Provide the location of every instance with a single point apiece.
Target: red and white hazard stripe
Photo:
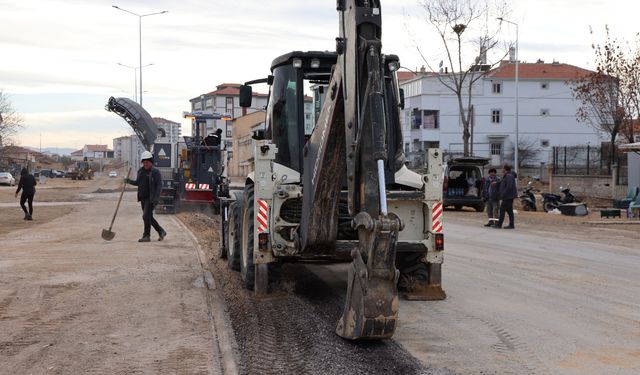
(436, 218)
(262, 216)
(190, 186)
(204, 186)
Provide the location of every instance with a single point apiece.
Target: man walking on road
(507, 192)
(149, 183)
(490, 196)
(28, 186)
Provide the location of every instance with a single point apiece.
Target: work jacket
(150, 188)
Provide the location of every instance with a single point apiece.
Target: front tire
(235, 235)
(247, 267)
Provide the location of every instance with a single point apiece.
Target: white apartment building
(128, 149)
(173, 130)
(225, 99)
(546, 114)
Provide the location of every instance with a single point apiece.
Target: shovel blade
(108, 235)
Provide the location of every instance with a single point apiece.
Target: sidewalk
(72, 303)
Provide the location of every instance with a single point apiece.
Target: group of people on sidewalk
(498, 194)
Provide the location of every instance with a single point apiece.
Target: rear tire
(548, 206)
(413, 269)
(235, 235)
(247, 267)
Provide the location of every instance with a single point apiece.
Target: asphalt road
(522, 303)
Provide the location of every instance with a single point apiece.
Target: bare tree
(609, 95)
(527, 151)
(463, 26)
(10, 120)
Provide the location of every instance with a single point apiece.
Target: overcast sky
(58, 58)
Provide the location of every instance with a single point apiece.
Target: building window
(197, 106)
(496, 116)
(209, 103)
(229, 131)
(544, 85)
(544, 142)
(229, 104)
(544, 112)
(497, 88)
(424, 119)
(496, 148)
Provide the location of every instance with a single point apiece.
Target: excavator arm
(350, 144)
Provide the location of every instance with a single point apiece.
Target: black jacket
(27, 183)
(508, 188)
(154, 184)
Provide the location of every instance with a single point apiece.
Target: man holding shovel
(149, 183)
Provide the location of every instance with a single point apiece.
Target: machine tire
(458, 207)
(247, 267)
(412, 269)
(235, 235)
(479, 208)
(525, 207)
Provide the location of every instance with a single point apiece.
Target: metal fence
(588, 161)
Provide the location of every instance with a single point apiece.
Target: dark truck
(463, 181)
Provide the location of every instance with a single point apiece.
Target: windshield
(282, 116)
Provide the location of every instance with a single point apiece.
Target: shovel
(107, 234)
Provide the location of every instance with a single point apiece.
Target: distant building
(128, 150)
(77, 155)
(240, 160)
(173, 130)
(546, 115)
(93, 152)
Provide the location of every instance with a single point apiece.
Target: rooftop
(539, 70)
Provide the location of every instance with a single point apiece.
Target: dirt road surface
(72, 303)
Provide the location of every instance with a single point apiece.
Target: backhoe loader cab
(330, 184)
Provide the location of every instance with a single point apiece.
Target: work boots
(145, 239)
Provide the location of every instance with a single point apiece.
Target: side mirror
(246, 95)
(401, 98)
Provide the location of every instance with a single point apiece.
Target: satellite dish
(440, 65)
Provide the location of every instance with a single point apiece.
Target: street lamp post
(135, 77)
(517, 104)
(140, 39)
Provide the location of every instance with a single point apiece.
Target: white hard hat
(146, 155)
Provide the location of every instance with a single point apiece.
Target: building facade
(546, 114)
(225, 99)
(128, 149)
(240, 160)
(173, 130)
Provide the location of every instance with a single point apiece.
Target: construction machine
(192, 169)
(340, 192)
(80, 170)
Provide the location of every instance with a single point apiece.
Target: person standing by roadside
(507, 192)
(490, 196)
(28, 186)
(149, 183)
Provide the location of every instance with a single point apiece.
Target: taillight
(263, 241)
(439, 240)
(445, 184)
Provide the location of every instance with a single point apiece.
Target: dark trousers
(506, 206)
(147, 217)
(24, 198)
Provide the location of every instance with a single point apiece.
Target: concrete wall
(591, 186)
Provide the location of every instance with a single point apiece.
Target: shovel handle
(124, 185)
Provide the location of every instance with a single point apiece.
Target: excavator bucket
(371, 306)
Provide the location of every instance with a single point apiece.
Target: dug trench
(292, 331)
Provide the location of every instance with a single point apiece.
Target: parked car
(58, 173)
(7, 179)
(463, 181)
(113, 174)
